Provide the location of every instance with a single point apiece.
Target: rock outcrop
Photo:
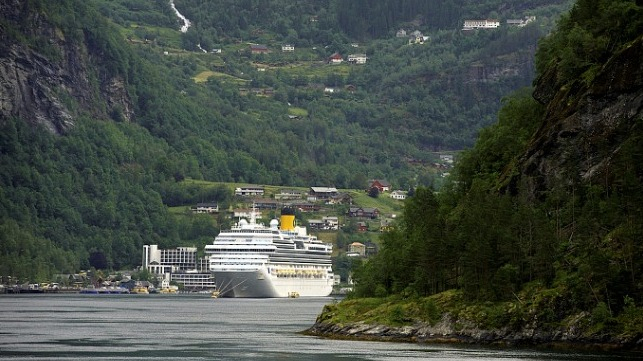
(585, 123)
(54, 81)
(452, 330)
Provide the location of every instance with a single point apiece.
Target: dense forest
(89, 182)
(495, 231)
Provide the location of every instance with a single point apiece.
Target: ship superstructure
(279, 260)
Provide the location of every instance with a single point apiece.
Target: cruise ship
(279, 260)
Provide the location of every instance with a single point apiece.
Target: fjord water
(197, 327)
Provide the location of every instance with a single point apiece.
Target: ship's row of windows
(237, 250)
(274, 256)
(245, 264)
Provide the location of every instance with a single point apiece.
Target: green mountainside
(538, 237)
(107, 107)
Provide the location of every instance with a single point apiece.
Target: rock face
(27, 90)
(585, 123)
(451, 330)
(50, 84)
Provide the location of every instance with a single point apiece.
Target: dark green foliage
(84, 199)
(568, 249)
(588, 35)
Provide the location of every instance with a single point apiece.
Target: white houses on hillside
(480, 24)
(357, 58)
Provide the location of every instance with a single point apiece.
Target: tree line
(576, 242)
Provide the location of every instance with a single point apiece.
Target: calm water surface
(196, 327)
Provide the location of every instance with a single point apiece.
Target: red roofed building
(335, 59)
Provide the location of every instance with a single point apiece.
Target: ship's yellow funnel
(287, 222)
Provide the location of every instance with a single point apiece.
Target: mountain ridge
(125, 121)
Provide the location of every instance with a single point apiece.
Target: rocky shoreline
(449, 330)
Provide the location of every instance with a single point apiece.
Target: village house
(357, 58)
(446, 158)
(386, 225)
(399, 195)
(332, 222)
(326, 223)
(363, 212)
(356, 249)
(339, 198)
(381, 185)
(400, 33)
(416, 37)
(206, 208)
(305, 207)
(286, 194)
(480, 24)
(371, 248)
(362, 227)
(521, 22)
(249, 191)
(317, 193)
(259, 49)
(266, 204)
(315, 224)
(336, 58)
(287, 48)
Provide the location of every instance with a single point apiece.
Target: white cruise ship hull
(259, 284)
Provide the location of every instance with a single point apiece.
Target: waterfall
(186, 22)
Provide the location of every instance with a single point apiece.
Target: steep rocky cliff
(49, 77)
(585, 124)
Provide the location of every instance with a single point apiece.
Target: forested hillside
(107, 107)
(542, 219)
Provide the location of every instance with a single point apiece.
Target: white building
(249, 191)
(288, 194)
(521, 22)
(179, 258)
(356, 249)
(399, 195)
(178, 264)
(326, 223)
(206, 208)
(287, 48)
(357, 58)
(332, 222)
(446, 158)
(480, 24)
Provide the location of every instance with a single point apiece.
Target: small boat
(140, 290)
(215, 294)
(89, 291)
(168, 290)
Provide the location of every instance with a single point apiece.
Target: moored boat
(140, 290)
